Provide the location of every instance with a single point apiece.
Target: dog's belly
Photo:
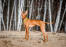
(31, 25)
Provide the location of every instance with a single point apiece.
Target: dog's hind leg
(42, 27)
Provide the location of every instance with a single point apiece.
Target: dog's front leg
(27, 32)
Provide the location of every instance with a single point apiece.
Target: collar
(25, 19)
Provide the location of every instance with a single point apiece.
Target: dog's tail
(48, 22)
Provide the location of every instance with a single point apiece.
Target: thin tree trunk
(65, 27)
(0, 22)
(11, 18)
(58, 17)
(21, 6)
(31, 7)
(62, 18)
(8, 14)
(3, 23)
(50, 16)
(15, 1)
(1, 16)
(19, 19)
(45, 10)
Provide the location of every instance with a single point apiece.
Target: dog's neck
(25, 19)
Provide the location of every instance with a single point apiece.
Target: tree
(58, 17)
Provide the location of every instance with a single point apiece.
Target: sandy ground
(16, 39)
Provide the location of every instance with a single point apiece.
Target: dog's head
(24, 14)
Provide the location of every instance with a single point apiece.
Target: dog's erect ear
(26, 12)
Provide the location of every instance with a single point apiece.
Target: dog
(30, 23)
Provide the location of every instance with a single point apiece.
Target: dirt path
(35, 40)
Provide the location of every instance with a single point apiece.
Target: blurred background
(45, 10)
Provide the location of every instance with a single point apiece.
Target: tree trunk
(1, 17)
(20, 9)
(45, 10)
(62, 18)
(58, 18)
(15, 1)
(50, 16)
(8, 14)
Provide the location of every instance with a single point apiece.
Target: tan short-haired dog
(30, 23)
